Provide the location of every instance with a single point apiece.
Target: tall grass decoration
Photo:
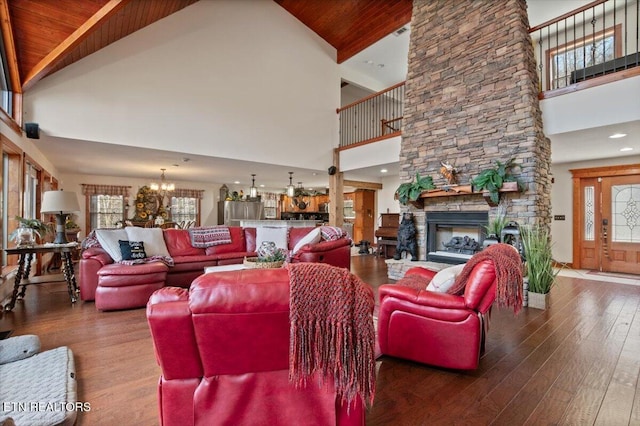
(538, 257)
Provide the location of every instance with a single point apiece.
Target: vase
(538, 300)
(267, 249)
(491, 239)
(24, 237)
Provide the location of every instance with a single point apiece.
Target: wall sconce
(291, 190)
(253, 191)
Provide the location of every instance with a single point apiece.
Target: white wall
(28, 147)
(562, 203)
(240, 79)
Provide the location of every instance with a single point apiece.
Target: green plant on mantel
(536, 242)
(410, 191)
(491, 180)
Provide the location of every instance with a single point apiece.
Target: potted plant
(410, 191)
(540, 273)
(495, 225)
(491, 180)
(27, 230)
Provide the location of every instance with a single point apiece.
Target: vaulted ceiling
(48, 35)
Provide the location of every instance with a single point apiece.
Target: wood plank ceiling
(49, 35)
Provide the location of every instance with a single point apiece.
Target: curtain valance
(90, 189)
(188, 193)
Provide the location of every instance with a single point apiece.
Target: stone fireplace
(453, 236)
(471, 99)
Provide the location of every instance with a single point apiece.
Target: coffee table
(222, 268)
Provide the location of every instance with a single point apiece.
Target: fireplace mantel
(455, 190)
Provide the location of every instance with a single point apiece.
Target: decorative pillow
(443, 280)
(277, 234)
(332, 233)
(153, 239)
(132, 250)
(108, 239)
(311, 238)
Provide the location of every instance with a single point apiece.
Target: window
(106, 211)
(596, 49)
(185, 205)
(184, 209)
(105, 205)
(6, 95)
(30, 195)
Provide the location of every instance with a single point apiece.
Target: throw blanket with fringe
(508, 267)
(207, 236)
(332, 329)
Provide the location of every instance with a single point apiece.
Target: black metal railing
(599, 38)
(376, 117)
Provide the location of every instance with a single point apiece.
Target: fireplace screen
(453, 237)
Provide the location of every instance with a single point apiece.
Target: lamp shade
(59, 202)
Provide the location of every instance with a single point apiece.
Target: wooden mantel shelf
(454, 190)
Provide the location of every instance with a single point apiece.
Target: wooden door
(607, 219)
(620, 224)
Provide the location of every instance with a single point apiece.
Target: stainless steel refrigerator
(230, 213)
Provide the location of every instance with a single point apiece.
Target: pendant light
(291, 190)
(253, 191)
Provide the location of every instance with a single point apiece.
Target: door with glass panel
(620, 224)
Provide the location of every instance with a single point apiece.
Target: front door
(609, 223)
(621, 224)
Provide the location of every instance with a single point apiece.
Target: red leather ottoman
(128, 286)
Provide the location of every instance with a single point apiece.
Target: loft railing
(376, 117)
(599, 39)
(592, 45)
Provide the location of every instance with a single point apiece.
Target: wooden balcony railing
(376, 117)
(595, 44)
(576, 50)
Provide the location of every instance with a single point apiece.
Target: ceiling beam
(362, 185)
(56, 55)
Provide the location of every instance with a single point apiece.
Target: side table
(22, 280)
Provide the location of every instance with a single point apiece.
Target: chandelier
(164, 186)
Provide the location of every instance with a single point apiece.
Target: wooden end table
(22, 280)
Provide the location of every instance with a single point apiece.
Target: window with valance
(105, 205)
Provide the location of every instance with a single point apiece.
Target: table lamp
(60, 203)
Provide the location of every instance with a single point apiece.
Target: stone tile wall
(472, 98)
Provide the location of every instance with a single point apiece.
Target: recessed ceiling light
(617, 135)
(237, 182)
(384, 171)
(262, 185)
(626, 148)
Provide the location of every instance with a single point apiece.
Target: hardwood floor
(576, 363)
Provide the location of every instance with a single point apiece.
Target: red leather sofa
(223, 347)
(119, 286)
(433, 328)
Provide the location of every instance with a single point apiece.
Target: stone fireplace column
(471, 99)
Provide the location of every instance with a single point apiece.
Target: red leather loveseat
(115, 285)
(223, 347)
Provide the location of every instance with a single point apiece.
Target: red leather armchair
(223, 348)
(438, 329)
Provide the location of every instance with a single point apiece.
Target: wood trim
(56, 55)
(9, 121)
(362, 185)
(605, 171)
(567, 15)
(577, 205)
(373, 95)
(368, 141)
(592, 82)
(10, 47)
(8, 146)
